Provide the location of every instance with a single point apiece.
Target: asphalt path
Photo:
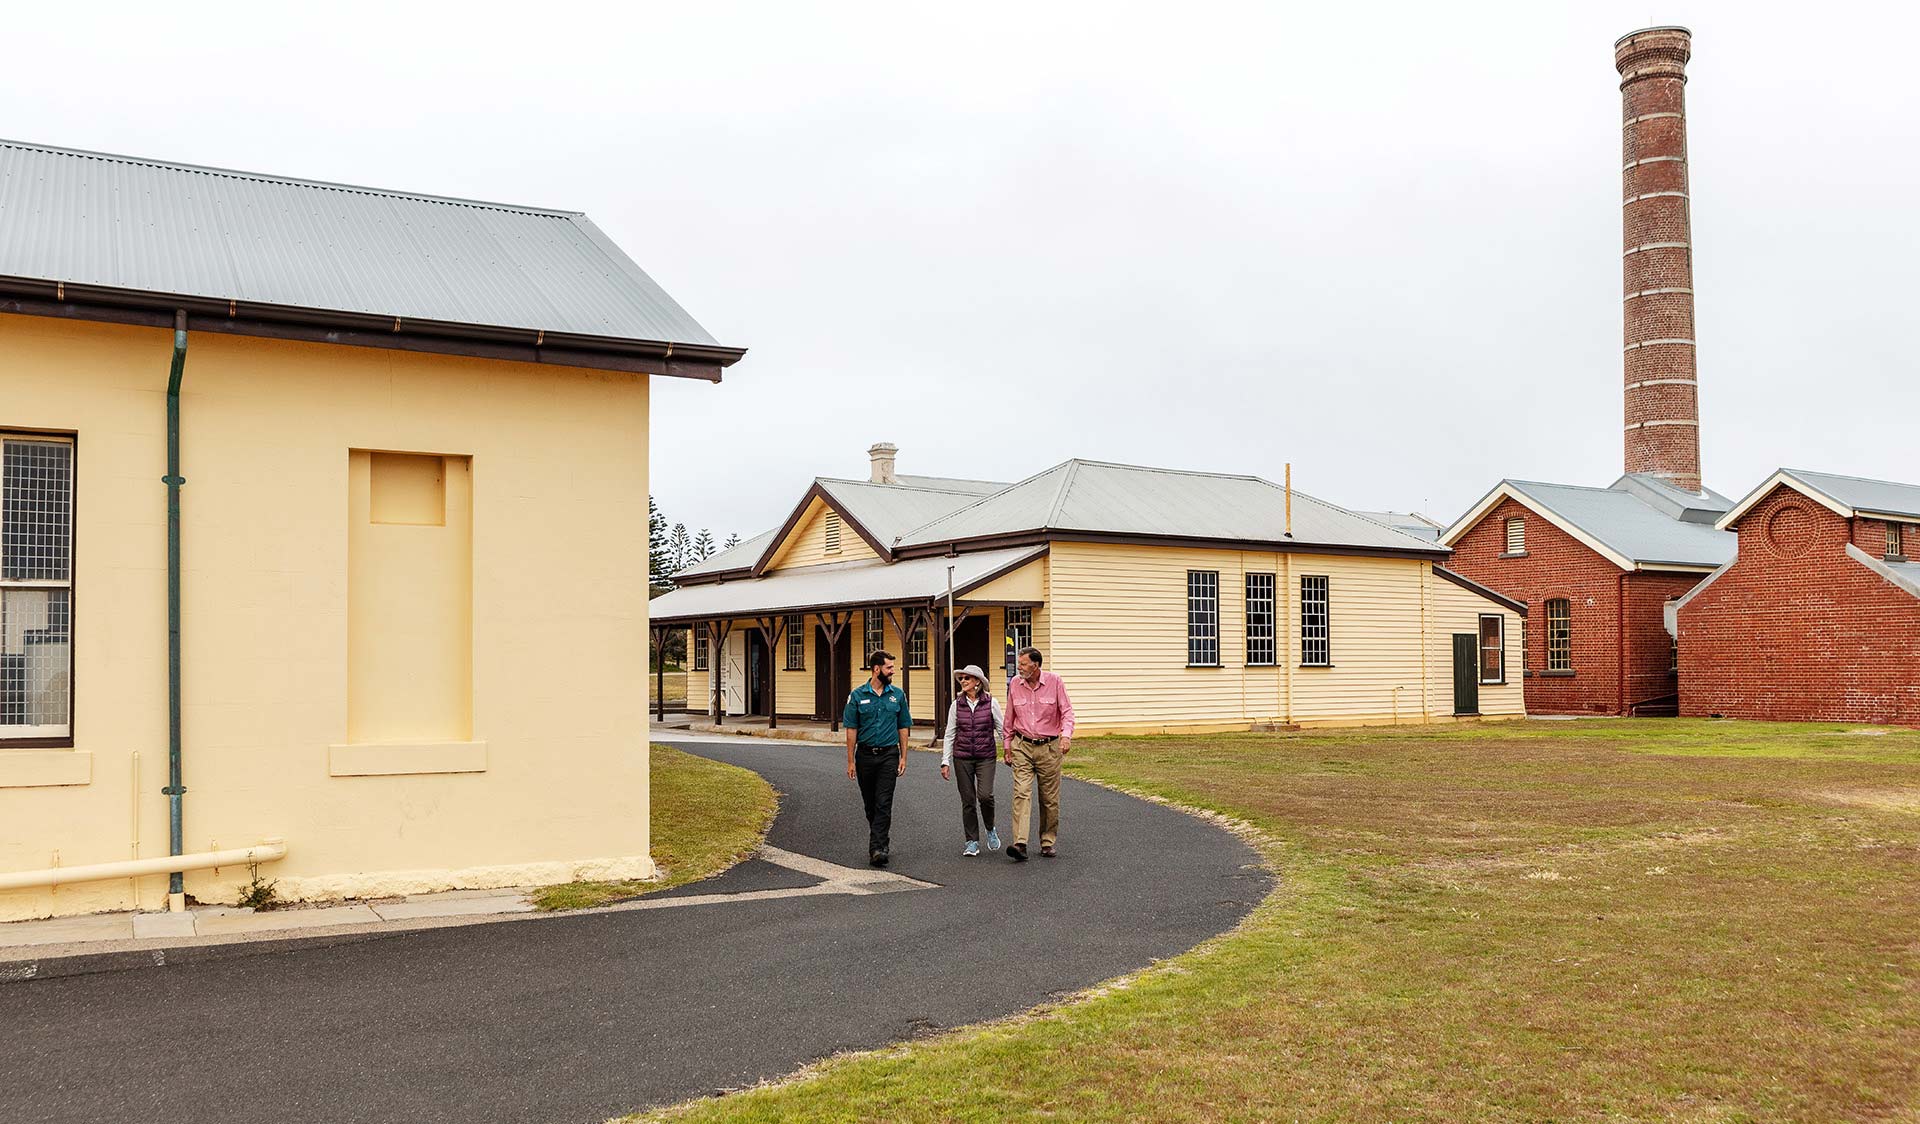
(578, 1018)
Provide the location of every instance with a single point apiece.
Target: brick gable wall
(1558, 565)
(1797, 631)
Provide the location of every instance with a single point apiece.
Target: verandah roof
(840, 585)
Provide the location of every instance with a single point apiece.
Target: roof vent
(882, 457)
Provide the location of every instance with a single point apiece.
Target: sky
(1379, 242)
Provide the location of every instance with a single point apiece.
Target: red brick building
(1818, 616)
(1596, 567)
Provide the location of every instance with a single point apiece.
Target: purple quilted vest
(973, 729)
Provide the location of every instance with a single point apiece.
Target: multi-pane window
(1019, 632)
(1316, 631)
(1559, 635)
(917, 643)
(1260, 621)
(700, 642)
(1896, 540)
(1493, 649)
(1523, 648)
(876, 632)
(796, 643)
(831, 524)
(36, 587)
(1203, 618)
(1516, 536)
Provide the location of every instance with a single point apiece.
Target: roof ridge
(911, 487)
(1166, 471)
(1060, 496)
(294, 181)
(956, 512)
(1847, 476)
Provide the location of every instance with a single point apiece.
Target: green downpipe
(174, 790)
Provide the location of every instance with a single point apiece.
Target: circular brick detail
(1790, 530)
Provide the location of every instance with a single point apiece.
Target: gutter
(38, 297)
(175, 791)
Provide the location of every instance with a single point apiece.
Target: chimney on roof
(1662, 388)
(882, 457)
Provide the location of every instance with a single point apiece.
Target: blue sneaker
(972, 851)
(993, 840)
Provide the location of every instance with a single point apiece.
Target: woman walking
(973, 735)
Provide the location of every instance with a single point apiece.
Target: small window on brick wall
(1517, 536)
(1559, 635)
(1896, 540)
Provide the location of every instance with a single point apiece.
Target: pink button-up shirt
(1040, 711)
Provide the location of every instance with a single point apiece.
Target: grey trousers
(975, 777)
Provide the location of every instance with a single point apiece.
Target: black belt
(1050, 739)
(879, 748)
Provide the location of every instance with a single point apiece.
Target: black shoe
(1047, 852)
(1017, 852)
(878, 858)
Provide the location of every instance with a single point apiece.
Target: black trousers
(975, 777)
(877, 771)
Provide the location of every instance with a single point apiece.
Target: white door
(733, 673)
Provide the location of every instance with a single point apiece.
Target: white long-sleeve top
(953, 715)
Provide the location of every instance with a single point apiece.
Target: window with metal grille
(1260, 621)
(917, 644)
(1203, 618)
(796, 643)
(1559, 635)
(700, 642)
(1019, 633)
(832, 526)
(1674, 650)
(876, 632)
(1523, 647)
(1516, 536)
(36, 587)
(1493, 649)
(1316, 621)
(1896, 540)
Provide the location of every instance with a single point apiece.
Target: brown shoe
(1047, 853)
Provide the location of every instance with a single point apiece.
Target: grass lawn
(1601, 920)
(706, 817)
(674, 680)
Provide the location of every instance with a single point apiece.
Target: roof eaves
(1787, 477)
(1886, 572)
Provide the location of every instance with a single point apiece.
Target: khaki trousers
(1030, 761)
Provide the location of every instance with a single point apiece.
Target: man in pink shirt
(1039, 734)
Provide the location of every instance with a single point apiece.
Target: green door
(1466, 673)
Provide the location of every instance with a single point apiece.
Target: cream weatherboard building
(411, 481)
(1169, 601)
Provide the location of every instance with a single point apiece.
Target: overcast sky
(1379, 241)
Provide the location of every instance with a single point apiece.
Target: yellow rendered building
(1168, 601)
(411, 479)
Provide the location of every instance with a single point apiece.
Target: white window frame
(919, 646)
(1563, 641)
(56, 735)
(1203, 618)
(796, 642)
(1018, 633)
(873, 631)
(1316, 627)
(1499, 649)
(1263, 620)
(1896, 539)
(702, 637)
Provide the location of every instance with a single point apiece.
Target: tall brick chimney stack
(1662, 389)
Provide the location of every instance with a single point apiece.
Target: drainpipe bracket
(174, 790)
(177, 480)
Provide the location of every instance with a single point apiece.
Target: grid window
(832, 525)
(36, 587)
(699, 647)
(1559, 635)
(1674, 667)
(1523, 648)
(1316, 623)
(796, 643)
(1019, 633)
(1896, 540)
(1516, 536)
(876, 632)
(917, 644)
(1493, 649)
(1203, 618)
(1260, 621)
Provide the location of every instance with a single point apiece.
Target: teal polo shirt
(876, 718)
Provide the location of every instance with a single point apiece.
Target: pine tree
(659, 554)
(680, 547)
(703, 545)
(733, 540)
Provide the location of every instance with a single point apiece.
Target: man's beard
(885, 678)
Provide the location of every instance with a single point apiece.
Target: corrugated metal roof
(1704, 506)
(1097, 496)
(841, 584)
(740, 556)
(891, 510)
(148, 226)
(1862, 494)
(1630, 526)
(1407, 523)
(950, 484)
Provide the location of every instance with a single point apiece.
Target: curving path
(583, 1017)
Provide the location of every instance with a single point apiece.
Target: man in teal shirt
(877, 725)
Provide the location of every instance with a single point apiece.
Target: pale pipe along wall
(413, 703)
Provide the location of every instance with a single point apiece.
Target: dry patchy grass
(1609, 920)
(707, 816)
